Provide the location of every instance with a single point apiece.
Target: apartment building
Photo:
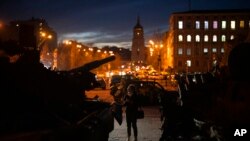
(199, 38)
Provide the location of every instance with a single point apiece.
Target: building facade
(138, 53)
(198, 38)
(34, 33)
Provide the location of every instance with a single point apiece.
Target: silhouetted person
(232, 107)
(131, 103)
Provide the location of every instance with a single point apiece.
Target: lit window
(222, 50)
(223, 38)
(197, 38)
(223, 24)
(188, 51)
(205, 50)
(215, 24)
(189, 38)
(189, 63)
(197, 24)
(206, 38)
(214, 38)
(242, 24)
(214, 50)
(180, 51)
(180, 38)
(232, 24)
(180, 24)
(231, 37)
(206, 24)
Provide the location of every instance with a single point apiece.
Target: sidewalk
(148, 128)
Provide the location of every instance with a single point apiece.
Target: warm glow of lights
(79, 46)
(49, 36)
(99, 50)
(110, 52)
(168, 57)
(151, 42)
(90, 49)
(67, 42)
(43, 34)
(105, 52)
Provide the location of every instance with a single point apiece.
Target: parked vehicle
(101, 83)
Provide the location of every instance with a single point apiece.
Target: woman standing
(131, 103)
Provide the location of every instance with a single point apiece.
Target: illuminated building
(199, 38)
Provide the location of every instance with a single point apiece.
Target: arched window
(189, 38)
(223, 38)
(205, 38)
(180, 38)
(197, 38)
(214, 38)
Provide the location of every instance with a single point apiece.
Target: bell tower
(138, 47)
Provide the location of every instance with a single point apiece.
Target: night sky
(106, 22)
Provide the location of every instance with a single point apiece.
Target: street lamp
(43, 38)
(158, 47)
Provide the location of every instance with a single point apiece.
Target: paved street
(148, 128)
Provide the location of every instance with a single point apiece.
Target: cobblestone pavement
(148, 128)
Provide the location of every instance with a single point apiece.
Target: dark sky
(106, 22)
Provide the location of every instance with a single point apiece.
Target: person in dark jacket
(131, 103)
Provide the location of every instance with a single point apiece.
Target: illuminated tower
(138, 47)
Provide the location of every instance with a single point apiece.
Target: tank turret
(40, 104)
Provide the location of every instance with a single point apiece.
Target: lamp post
(158, 47)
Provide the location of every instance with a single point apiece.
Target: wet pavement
(148, 128)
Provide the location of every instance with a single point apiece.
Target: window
(180, 51)
(206, 25)
(180, 24)
(214, 38)
(205, 38)
(197, 24)
(222, 50)
(188, 51)
(197, 38)
(242, 24)
(231, 37)
(189, 63)
(189, 38)
(223, 38)
(232, 24)
(180, 38)
(214, 50)
(205, 50)
(215, 24)
(223, 24)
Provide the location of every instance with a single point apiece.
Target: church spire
(138, 20)
(138, 25)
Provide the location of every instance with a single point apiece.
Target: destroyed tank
(43, 105)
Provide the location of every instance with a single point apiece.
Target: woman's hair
(132, 88)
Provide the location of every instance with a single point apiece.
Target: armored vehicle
(42, 105)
